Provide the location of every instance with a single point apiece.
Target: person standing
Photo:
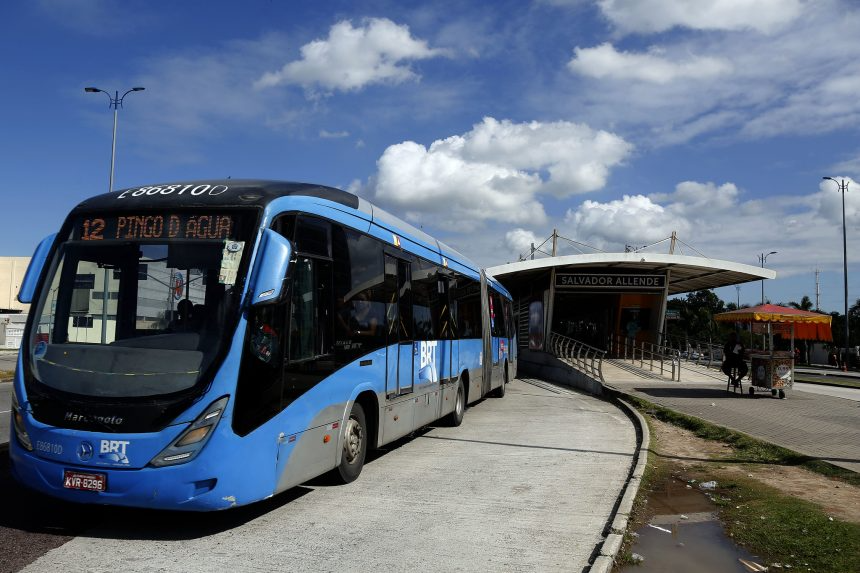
(733, 359)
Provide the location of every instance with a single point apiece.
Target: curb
(608, 550)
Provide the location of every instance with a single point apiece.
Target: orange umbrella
(807, 325)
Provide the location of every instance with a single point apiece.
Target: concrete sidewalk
(815, 425)
(527, 483)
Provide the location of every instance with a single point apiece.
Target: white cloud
(325, 134)
(520, 241)
(716, 221)
(378, 51)
(495, 172)
(828, 202)
(798, 80)
(652, 16)
(848, 165)
(692, 198)
(604, 61)
(632, 219)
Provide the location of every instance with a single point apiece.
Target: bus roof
(209, 193)
(255, 193)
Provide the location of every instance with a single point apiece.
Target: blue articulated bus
(208, 344)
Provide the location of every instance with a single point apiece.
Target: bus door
(447, 342)
(399, 412)
(448, 345)
(399, 378)
(487, 358)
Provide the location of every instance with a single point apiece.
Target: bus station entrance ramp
(528, 482)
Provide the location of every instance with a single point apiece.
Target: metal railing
(647, 354)
(701, 352)
(586, 358)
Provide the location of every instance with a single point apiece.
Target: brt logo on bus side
(427, 362)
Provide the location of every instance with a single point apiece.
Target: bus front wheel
(354, 445)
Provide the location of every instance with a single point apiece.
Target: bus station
(603, 298)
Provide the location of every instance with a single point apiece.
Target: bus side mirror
(34, 270)
(270, 269)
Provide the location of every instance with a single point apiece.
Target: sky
(487, 124)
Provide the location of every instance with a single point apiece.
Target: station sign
(601, 281)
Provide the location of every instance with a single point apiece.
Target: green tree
(696, 321)
(804, 304)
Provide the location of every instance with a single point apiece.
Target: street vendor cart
(773, 370)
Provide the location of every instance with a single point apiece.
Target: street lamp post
(762, 259)
(843, 187)
(115, 103)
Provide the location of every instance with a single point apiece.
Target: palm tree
(804, 304)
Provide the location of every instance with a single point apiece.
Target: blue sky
(486, 123)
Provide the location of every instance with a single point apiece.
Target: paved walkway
(813, 424)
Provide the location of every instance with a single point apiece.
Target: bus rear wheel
(455, 418)
(354, 445)
(500, 391)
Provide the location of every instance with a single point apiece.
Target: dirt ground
(683, 449)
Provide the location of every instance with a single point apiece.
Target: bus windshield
(139, 305)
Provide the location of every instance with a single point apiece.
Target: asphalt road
(8, 360)
(826, 390)
(527, 483)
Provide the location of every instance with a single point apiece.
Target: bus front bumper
(193, 486)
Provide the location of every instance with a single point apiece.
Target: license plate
(84, 481)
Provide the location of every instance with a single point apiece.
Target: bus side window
(360, 294)
(509, 319)
(424, 299)
(469, 307)
(498, 323)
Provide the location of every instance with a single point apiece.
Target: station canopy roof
(686, 273)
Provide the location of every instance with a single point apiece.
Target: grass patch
(745, 449)
(786, 529)
(768, 523)
(6, 375)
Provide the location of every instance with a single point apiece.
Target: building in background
(12, 271)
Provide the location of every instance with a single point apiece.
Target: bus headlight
(18, 423)
(190, 442)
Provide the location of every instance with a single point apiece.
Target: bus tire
(500, 391)
(354, 445)
(455, 418)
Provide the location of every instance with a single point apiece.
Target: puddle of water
(677, 498)
(690, 547)
(684, 535)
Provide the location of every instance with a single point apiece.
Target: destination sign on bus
(136, 227)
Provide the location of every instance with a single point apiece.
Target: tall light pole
(115, 103)
(762, 259)
(843, 187)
